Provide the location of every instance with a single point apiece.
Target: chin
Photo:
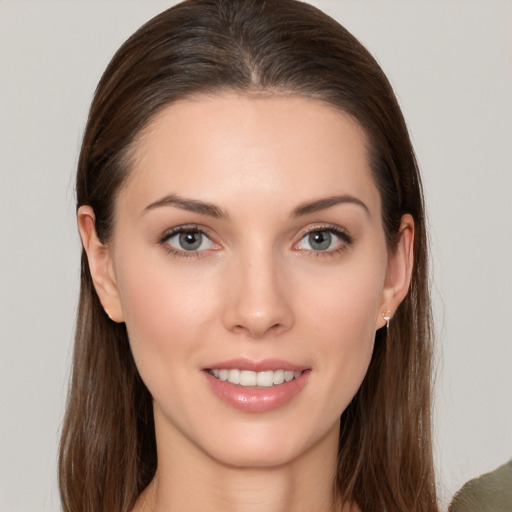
(273, 446)
(256, 457)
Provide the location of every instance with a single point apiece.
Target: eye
(324, 240)
(188, 240)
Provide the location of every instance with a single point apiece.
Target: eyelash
(346, 239)
(191, 228)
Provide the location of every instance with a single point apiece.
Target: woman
(254, 321)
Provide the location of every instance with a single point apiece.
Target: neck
(236, 490)
(187, 479)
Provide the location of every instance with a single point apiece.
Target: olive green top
(491, 492)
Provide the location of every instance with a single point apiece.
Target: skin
(257, 288)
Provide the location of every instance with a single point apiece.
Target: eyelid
(345, 237)
(183, 228)
(186, 228)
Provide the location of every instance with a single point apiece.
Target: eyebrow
(191, 205)
(205, 208)
(327, 202)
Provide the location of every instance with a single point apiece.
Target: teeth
(278, 376)
(248, 378)
(265, 379)
(234, 376)
(260, 379)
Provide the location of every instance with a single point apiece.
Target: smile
(248, 378)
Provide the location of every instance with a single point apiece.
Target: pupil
(320, 241)
(190, 241)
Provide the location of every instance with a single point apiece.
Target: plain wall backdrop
(450, 64)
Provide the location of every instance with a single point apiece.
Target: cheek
(341, 321)
(165, 305)
(344, 303)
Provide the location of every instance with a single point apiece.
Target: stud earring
(387, 316)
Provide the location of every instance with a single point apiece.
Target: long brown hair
(108, 452)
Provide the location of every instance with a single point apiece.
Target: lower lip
(253, 399)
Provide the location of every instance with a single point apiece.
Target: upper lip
(256, 366)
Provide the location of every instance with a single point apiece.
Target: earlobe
(399, 272)
(100, 264)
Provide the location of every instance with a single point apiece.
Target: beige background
(450, 63)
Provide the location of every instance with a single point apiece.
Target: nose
(257, 298)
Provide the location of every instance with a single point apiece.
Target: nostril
(258, 330)
(257, 306)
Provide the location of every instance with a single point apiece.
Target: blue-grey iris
(320, 240)
(191, 240)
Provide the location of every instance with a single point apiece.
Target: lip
(256, 366)
(254, 399)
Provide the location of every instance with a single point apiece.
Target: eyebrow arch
(191, 205)
(327, 202)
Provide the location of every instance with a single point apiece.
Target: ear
(100, 264)
(399, 271)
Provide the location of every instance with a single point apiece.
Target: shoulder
(491, 492)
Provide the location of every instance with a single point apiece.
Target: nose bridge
(258, 297)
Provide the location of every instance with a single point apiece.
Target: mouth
(256, 386)
(248, 378)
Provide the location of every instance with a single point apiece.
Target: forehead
(227, 147)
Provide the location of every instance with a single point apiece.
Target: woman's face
(248, 246)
